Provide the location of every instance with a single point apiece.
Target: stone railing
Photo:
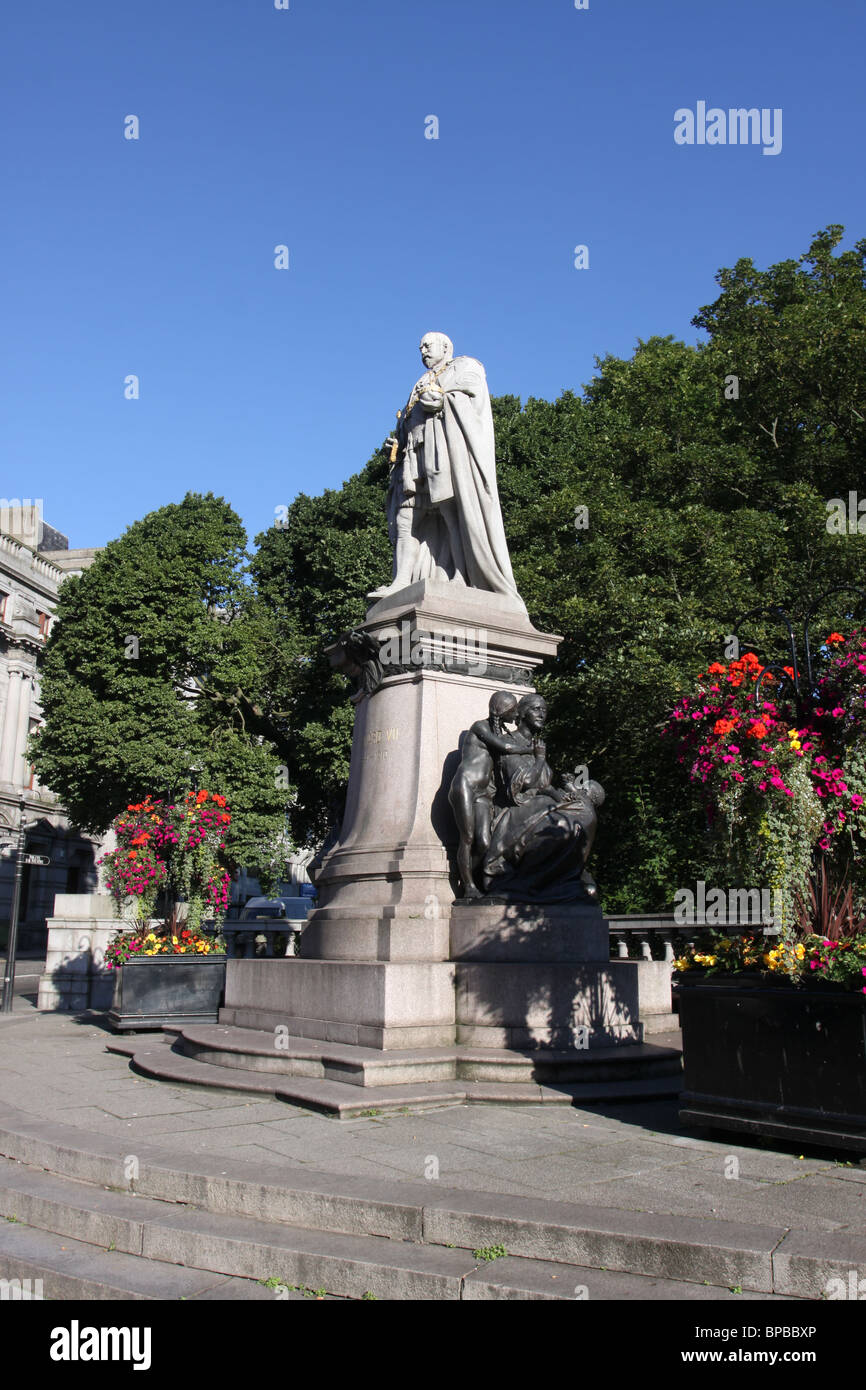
(31, 558)
(650, 936)
(654, 941)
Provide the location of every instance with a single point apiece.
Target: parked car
(263, 909)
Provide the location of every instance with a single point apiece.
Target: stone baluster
(666, 936)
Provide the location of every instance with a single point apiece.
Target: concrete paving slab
(630, 1158)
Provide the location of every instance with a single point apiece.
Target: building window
(3, 601)
(44, 623)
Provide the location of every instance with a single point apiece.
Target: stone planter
(153, 991)
(780, 1060)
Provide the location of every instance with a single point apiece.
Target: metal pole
(12, 947)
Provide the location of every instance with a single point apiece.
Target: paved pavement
(632, 1156)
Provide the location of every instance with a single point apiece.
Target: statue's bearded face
(435, 349)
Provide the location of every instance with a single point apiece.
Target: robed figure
(520, 836)
(444, 517)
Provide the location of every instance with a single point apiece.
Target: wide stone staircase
(94, 1222)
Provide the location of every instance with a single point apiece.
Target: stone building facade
(34, 561)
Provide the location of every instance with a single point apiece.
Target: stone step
(342, 1100)
(249, 1049)
(89, 1242)
(632, 1061)
(73, 1269)
(513, 1278)
(336, 1098)
(349, 1265)
(305, 1071)
(163, 1063)
(575, 1093)
(259, 1197)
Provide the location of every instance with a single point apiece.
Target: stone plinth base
(525, 932)
(394, 933)
(544, 1005)
(375, 1004)
(75, 977)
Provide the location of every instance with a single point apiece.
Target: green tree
(705, 471)
(141, 674)
(701, 506)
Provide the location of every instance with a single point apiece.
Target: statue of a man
(443, 507)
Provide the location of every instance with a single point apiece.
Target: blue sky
(306, 127)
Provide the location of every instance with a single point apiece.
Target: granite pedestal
(400, 985)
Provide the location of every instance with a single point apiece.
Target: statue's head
(503, 704)
(436, 348)
(532, 712)
(596, 793)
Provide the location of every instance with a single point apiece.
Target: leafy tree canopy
(140, 674)
(705, 472)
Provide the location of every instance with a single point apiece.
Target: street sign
(36, 859)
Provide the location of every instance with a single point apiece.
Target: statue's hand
(432, 400)
(391, 443)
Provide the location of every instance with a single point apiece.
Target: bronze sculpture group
(520, 836)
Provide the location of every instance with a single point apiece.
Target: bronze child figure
(473, 787)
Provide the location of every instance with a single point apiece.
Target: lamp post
(12, 946)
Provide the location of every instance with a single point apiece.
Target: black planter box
(152, 991)
(780, 1060)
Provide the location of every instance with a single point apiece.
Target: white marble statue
(443, 507)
